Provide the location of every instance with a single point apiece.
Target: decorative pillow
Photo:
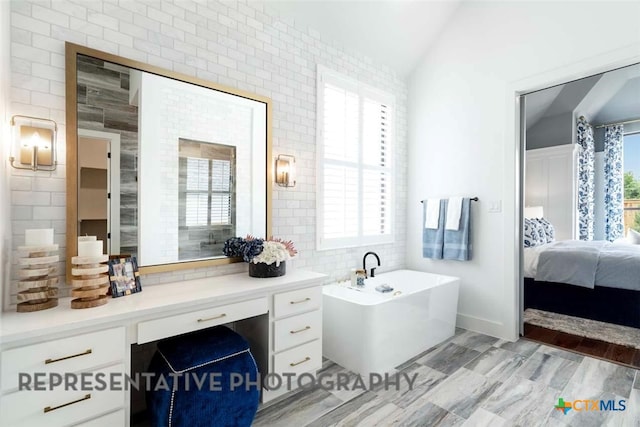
(533, 234)
(549, 230)
(633, 237)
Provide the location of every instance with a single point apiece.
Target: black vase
(263, 270)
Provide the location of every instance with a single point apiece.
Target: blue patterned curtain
(614, 182)
(586, 179)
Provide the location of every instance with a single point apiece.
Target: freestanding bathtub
(367, 331)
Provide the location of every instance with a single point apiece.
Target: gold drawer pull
(302, 300)
(306, 359)
(84, 353)
(300, 330)
(49, 408)
(206, 319)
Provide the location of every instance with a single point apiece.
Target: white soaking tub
(367, 331)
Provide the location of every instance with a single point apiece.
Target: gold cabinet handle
(300, 301)
(306, 359)
(49, 408)
(306, 328)
(84, 353)
(206, 319)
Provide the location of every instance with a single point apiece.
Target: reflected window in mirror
(206, 198)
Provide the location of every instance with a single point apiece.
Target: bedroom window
(631, 166)
(355, 164)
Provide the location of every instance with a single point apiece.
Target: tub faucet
(364, 262)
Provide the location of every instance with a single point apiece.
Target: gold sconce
(34, 143)
(285, 170)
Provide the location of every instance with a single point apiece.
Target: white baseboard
(483, 326)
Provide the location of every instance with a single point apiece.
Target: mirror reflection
(167, 170)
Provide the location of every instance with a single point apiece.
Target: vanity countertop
(153, 300)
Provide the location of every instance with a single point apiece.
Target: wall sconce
(285, 170)
(34, 143)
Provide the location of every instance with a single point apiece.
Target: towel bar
(473, 199)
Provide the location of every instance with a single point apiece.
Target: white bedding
(618, 264)
(531, 256)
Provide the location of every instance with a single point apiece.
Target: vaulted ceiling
(393, 32)
(604, 98)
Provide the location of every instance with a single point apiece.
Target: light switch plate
(495, 206)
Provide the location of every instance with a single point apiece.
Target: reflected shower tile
(605, 376)
(474, 341)
(522, 402)
(463, 392)
(484, 418)
(448, 358)
(550, 370)
(496, 363)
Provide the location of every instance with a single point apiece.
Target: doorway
(99, 187)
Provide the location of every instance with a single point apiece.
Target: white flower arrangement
(272, 252)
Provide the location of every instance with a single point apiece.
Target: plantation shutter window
(355, 173)
(206, 176)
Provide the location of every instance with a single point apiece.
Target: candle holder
(37, 288)
(90, 281)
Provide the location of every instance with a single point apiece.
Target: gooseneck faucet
(364, 262)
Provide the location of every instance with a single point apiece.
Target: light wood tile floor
(472, 380)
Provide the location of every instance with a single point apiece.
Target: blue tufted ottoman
(210, 380)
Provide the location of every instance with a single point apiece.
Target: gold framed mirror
(167, 183)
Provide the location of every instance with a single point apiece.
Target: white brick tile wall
(240, 44)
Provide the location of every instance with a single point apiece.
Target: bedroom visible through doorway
(581, 194)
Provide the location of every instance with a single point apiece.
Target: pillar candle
(86, 239)
(39, 237)
(91, 248)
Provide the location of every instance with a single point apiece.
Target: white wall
(5, 203)
(242, 45)
(462, 116)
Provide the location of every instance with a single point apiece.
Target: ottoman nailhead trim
(171, 408)
(202, 364)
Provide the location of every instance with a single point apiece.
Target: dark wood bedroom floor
(616, 353)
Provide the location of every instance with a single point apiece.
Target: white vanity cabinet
(22, 404)
(296, 344)
(280, 317)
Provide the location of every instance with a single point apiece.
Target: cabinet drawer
(110, 420)
(305, 358)
(73, 354)
(196, 320)
(296, 330)
(64, 407)
(293, 302)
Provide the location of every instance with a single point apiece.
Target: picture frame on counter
(124, 276)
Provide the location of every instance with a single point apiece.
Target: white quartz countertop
(154, 299)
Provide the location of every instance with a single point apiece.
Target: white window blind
(354, 163)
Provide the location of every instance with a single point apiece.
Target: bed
(595, 280)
